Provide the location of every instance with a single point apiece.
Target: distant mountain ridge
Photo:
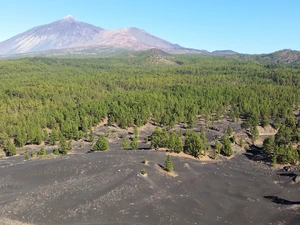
(282, 56)
(285, 56)
(69, 33)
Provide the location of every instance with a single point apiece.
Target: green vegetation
(91, 136)
(217, 149)
(124, 144)
(159, 138)
(175, 143)
(26, 157)
(135, 132)
(282, 147)
(229, 131)
(10, 149)
(101, 144)
(226, 147)
(143, 172)
(134, 144)
(169, 164)
(48, 99)
(56, 151)
(195, 145)
(42, 152)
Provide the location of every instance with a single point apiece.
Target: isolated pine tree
(169, 164)
(101, 144)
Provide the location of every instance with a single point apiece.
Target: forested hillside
(47, 98)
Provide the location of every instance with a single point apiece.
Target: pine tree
(194, 144)
(156, 138)
(26, 157)
(53, 137)
(226, 148)
(56, 152)
(134, 144)
(241, 142)
(178, 145)
(10, 149)
(101, 144)
(20, 140)
(64, 150)
(124, 144)
(217, 149)
(42, 152)
(229, 130)
(269, 145)
(69, 145)
(172, 141)
(135, 132)
(169, 164)
(254, 133)
(91, 136)
(45, 135)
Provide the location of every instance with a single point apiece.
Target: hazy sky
(246, 26)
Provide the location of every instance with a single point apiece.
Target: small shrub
(101, 144)
(63, 151)
(26, 156)
(56, 152)
(233, 139)
(143, 172)
(32, 154)
(145, 161)
(241, 142)
(146, 140)
(42, 152)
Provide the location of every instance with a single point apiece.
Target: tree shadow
(287, 174)
(281, 201)
(161, 166)
(144, 149)
(255, 153)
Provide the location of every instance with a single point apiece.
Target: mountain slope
(65, 33)
(285, 56)
(134, 38)
(70, 33)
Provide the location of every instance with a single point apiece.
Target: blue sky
(246, 26)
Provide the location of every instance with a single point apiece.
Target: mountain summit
(71, 33)
(65, 33)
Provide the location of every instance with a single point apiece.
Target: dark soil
(107, 188)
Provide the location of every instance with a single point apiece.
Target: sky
(245, 26)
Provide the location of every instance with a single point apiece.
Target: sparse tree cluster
(282, 148)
